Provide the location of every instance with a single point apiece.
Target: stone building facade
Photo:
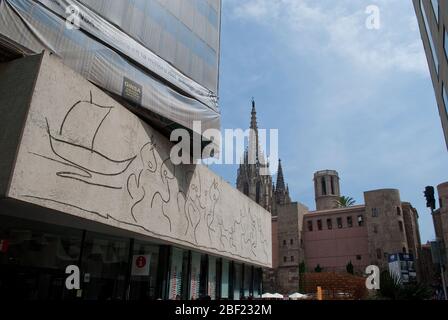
(287, 216)
(332, 236)
(440, 219)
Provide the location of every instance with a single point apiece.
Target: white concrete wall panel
(85, 155)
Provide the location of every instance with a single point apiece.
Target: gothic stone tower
(256, 186)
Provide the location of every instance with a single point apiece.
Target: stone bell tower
(326, 189)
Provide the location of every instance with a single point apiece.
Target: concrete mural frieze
(94, 159)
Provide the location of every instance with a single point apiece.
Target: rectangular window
(178, 286)
(398, 211)
(350, 222)
(360, 220)
(358, 257)
(292, 258)
(400, 226)
(445, 98)
(339, 221)
(237, 280)
(319, 225)
(329, 224)
(291, 241)
(445, 43)
(435, 7)
(375, 228)
(144, 280)
(310, 225)
(379, 254)
(225, 279)
(375, 212)
(211, 277)
(429, 35)
(284, 242)
(285, 259)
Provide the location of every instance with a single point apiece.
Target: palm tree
(344, 202)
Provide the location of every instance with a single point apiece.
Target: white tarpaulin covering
(143, 50)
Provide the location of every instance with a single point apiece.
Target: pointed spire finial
(280, 179)
(253, 121)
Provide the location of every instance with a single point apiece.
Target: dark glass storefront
(34, 257)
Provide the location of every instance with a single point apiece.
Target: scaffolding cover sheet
(124, 47)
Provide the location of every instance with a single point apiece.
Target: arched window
(332, 185)
(324, 186)
(257, 193)
(246, 189)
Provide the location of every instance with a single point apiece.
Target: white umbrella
(278, 296)
(267, 295)
(297, 296)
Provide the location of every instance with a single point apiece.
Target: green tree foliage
(344, 202)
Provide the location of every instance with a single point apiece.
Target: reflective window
(225, 279)
(195, 275)
(429, 35)
(248, 286)
(237, 279)
(435, 7)
(105, 265)
(178, 285)
(33, 258)
(445, 43)
(212, 279)
(258, 278)
(445, 98)
(144, 271)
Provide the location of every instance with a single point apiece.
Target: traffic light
(430, 200)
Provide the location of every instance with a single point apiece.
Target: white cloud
(338, 28)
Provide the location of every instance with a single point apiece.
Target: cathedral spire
(280, 179)
(253, 120)
(253, 137)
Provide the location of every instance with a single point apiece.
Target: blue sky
(343, 97)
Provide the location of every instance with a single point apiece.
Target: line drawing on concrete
(153, 188)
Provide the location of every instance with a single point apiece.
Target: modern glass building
(34, 257)
(432, 17)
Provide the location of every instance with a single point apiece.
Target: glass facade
(237, 278)
(435, 8)
(445, 43)
(32, 266)
(225, 277)
(445, 98)
(105, 267)
(429, 35)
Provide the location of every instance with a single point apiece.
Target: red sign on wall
(140, 265)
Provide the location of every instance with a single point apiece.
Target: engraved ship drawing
(75, 144)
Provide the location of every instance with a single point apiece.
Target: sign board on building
(140, 264)
(402, 266)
